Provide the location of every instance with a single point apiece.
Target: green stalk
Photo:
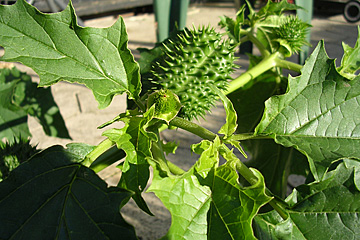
(249, 176)
(288, 65)
(264, 52)
(140, 104)
(109, 157)
(244, 171)
(159, 155)
(266, 64)
(274, 204)
(100, 149)
(247, 136)
(193, 128)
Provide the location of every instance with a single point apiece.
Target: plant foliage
(306, 125)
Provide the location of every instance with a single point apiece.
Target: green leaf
(209, 156)
(57, 49)
(276, 163)
(232, 207)
(232, 26)
(318, 114)
(169, 147)
(51, 197)
(272, 226)
(274, 8)
(148, 56)
(78, 151)
(231, 119)
(136, 143)
(207, 202)
(186, 199)
(13, 119)
(184, 196)
(330, 207)
(350, 62)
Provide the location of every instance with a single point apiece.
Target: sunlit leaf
(321, 210)
(319, 114)
(57, 49)
(350, 62)
(136, 143)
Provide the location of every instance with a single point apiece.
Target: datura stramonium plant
(292, 34)
(190, 62)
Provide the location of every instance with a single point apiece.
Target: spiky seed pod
(293, 31)
(12, 155)
(191, 61)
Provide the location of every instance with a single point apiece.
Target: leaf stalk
(271, 61)
(193, 128)
(265, 65)
(100, 149)
(158, 154)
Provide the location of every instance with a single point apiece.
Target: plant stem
(246, 136)
(266, 64)
(244, 171)
(288, 65)
(112, 155)
(158, 154)
(100, 149)
(274, 204)
(258, 44)
(140, 104)
(249, 176)
(193, 128)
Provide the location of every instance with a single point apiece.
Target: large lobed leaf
(53, 197)
(232, 207)
(319, 114)
(274, 161)
(57, 49)
(320, 210)
(207, 202)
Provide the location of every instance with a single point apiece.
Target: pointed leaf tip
(317, 115)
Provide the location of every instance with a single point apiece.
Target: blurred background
(92, 8)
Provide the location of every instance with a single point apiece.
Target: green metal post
(162, 18)
(305, 15)
(178, 14)
(168, 14)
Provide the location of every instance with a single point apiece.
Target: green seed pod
(291, 34)
(13, 154)
(191, 62)
(167, 104)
